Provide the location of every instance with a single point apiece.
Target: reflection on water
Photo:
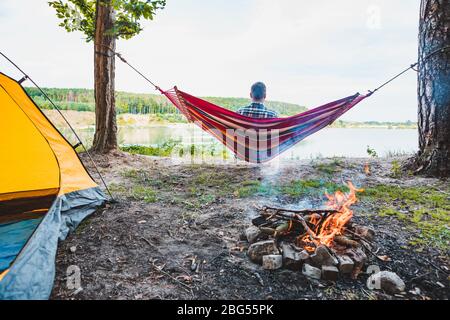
(326, 143)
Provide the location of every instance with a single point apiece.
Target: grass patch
(297, 188)
(421, 195)
(396, 169)
(162, 118)
(226, 185)
(212, 179)
(252, 187)
(205, 184)
(163, 150)
(201, 187)
(146, 194)
(424, 208)
(196, 199)
(175, 148)
(136, 192)
(329, 168)
(117, 188)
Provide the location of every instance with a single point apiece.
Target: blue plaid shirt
(257, 110)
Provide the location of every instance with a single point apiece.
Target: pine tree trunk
(105, 138)
(434, 89)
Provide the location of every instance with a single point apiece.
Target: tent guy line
(80, 142)
(45, 192)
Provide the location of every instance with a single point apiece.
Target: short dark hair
(258, 91)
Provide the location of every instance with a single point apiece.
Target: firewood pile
(322, 244)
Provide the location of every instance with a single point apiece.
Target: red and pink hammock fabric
(258, 140)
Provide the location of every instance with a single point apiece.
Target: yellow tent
(45, 191)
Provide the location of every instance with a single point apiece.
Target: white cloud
(307, 52)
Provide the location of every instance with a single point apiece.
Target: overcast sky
(307, 52)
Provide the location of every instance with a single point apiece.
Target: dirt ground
(175, 228)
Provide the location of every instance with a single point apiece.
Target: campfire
(322, 243)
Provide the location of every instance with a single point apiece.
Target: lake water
(325, 143)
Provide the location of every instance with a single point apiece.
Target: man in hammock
(257, 108)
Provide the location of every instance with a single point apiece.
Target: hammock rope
(260, 140)
(252, 140)
(77, 137)
(411, 67)
(137, 71)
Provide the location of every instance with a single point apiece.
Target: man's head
(258, 92)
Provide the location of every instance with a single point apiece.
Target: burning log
(343, 240)
(287, 216)
(364, 232)
(320, 242)
(290, 216)
(311, 234)
(283, 228)
(260, 221)
(354, 234)
(268, 231)
(303, 211)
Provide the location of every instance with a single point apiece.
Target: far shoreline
(86, 120)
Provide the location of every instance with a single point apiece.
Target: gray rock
(252, 233)
(330, 273)
(387, 281)
(358, 256)
(272, 262)
(293, 259)
(311, 272)
(345, 264)
(322, 257)
(257, 250)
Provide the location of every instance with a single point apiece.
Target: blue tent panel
(13, 237)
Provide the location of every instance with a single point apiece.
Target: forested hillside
(83, 100)
(163, 110)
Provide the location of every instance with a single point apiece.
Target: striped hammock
(258, 140)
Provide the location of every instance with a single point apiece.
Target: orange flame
(335, 223)
(367, 169)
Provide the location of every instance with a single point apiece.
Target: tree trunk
(434, 89)
(105, 138)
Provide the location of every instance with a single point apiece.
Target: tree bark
(434, 89)
(105, 138)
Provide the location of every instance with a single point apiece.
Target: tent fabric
(32, 274)
(13, 237)
(47, 153)
(258, 140)
(45, 192)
